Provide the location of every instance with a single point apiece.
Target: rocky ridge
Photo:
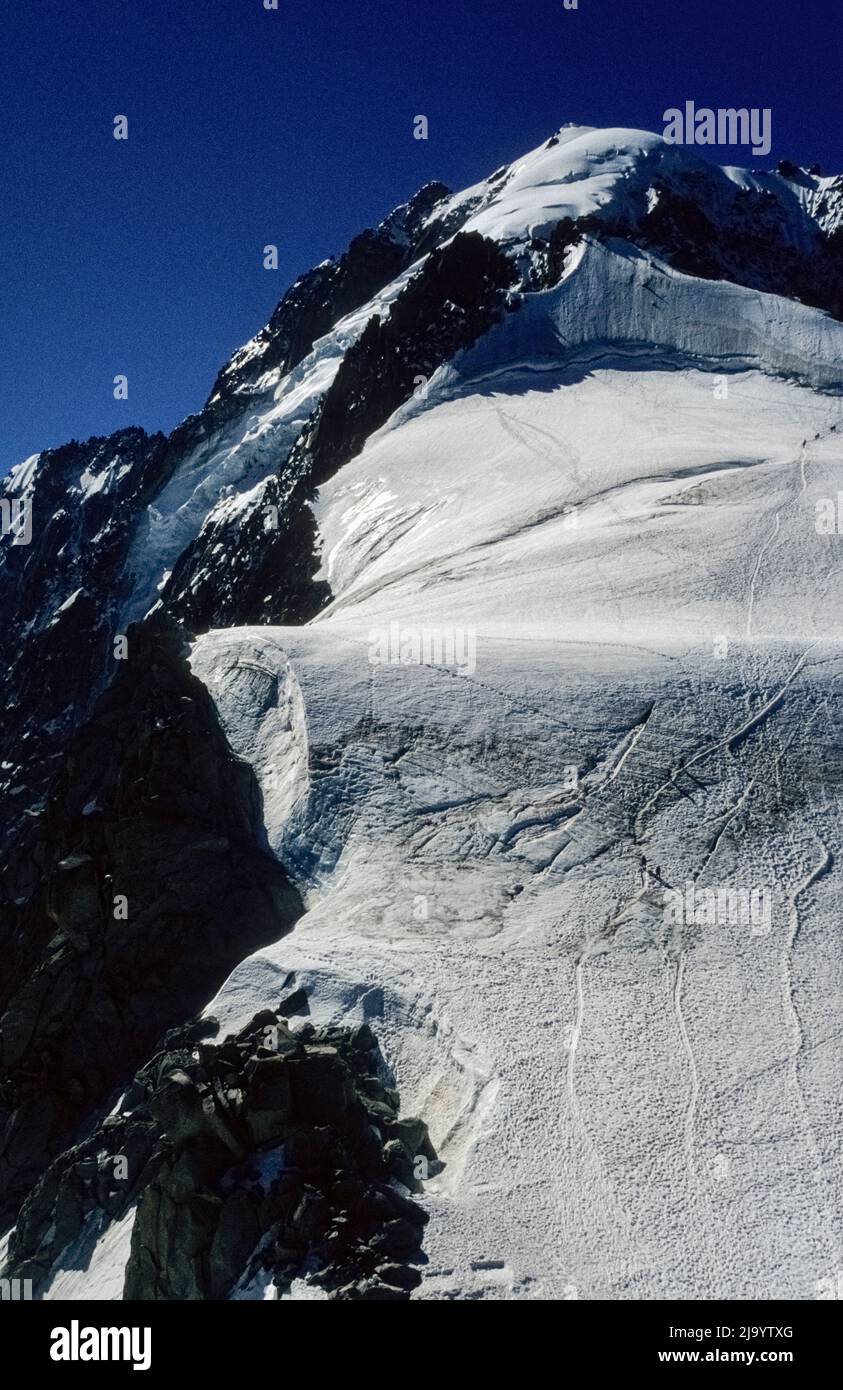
(270, 1156)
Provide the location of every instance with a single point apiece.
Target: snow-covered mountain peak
(609, 174)
(500, 554)
(576, 173)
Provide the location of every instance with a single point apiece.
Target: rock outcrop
(268, 1157)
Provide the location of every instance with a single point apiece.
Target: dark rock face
(127, 902)
(271, 572)
(456, 296)
(549, 254)
(749, 245)
(266, 1156)
(53, 653)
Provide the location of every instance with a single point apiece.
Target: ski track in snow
(758, 563)
(822, 866)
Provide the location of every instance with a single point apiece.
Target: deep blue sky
(295, 127)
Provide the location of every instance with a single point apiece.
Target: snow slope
(574, 472)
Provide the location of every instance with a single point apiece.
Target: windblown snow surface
(608, 505)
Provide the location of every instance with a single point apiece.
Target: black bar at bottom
(175, 1338)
